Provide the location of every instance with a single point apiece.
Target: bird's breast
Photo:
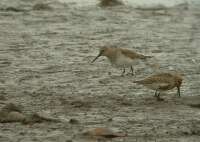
(160, 86)
(123, 61)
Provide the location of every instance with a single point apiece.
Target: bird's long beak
(178, 91)
(96, 57)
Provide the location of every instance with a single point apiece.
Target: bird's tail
(149, 56)
(146, 57)
(137, 81)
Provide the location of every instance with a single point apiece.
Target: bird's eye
(102, 50)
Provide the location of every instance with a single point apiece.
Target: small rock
(187, 133)
(103, 132)
(11, 113)
(73, 121)
(11, 107)
(110, 119)
(13, 116)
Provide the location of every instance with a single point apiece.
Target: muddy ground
(45, 54)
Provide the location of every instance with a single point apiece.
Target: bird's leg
(123, 71)
(178, 91)
(158, 97)
(155, 95)
(132, 73)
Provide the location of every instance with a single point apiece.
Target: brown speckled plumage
(162, 82)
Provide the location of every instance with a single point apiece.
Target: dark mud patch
(195, 105)
(12, 9)
(107, 3)
(42, 6)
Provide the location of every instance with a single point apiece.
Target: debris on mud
(159, 7)
(11, 113)
(105, 3)
(162, 10)
(103, 133)
(42, 6)
(11, 107)
(73, 121)
(77, 103)
(154, 8)
(39, 118)
(12, 9)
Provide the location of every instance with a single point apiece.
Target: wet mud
(46, 49)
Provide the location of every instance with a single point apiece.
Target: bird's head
(102, 52)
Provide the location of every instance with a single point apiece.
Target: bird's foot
(122, 74)
(132, 74)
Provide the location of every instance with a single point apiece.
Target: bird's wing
(131, 54)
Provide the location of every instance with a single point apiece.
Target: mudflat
(46, 49)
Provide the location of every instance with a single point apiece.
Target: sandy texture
(45, 55)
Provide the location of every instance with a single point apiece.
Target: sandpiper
(162, 82)
(122, 58)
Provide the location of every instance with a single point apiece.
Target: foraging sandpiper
(162, 82)
(122, 58)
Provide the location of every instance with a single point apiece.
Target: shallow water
(45, 66)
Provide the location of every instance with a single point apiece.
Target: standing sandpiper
(162, 82)
(122, 58)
